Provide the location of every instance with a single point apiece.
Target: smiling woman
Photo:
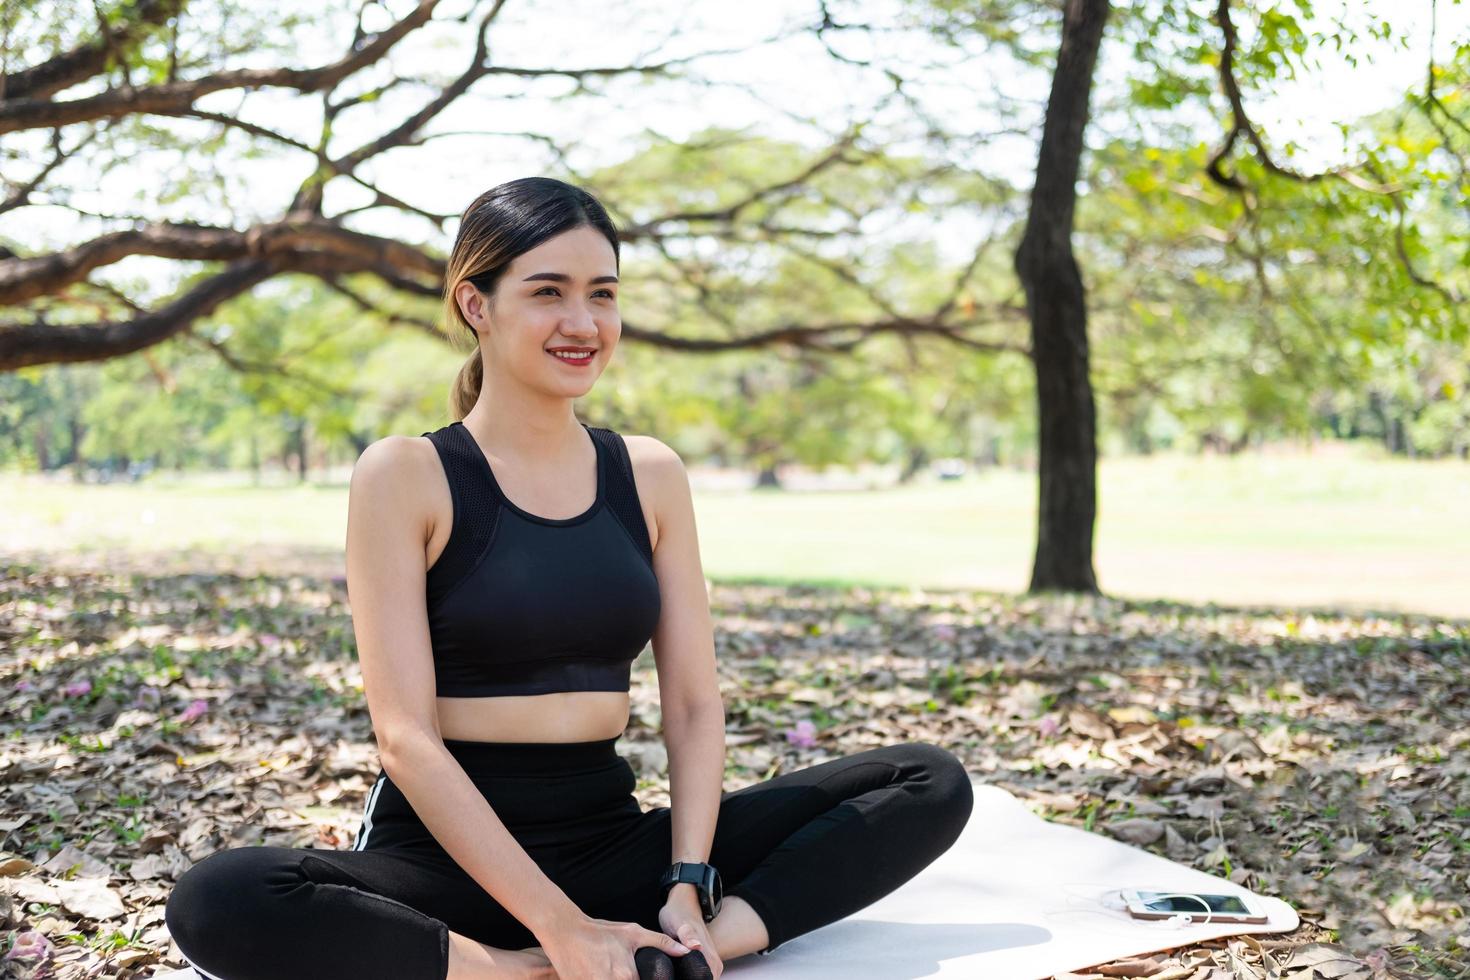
(503, 235)
(505, 570)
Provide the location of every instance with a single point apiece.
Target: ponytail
(466, 389)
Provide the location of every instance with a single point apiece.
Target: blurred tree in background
(784, 302)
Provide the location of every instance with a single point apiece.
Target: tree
(1170, 42)
(148, 65)
(745, 243)
(1058, 311)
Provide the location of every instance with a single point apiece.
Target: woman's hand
(599, 949)
(685, 922)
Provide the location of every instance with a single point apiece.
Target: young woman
(504, 571)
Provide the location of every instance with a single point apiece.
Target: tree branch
(44, 343)
(290, 243)
(88, 59)
(1241, 126)
(178, 98)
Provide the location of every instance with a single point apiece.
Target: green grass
(1339, 529)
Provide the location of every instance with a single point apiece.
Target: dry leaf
(1146, 967)
(1086, 723)
(1140, 831)
(90, 897)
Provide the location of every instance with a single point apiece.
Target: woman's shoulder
(659, 475)
(394, 463)
(651, 451)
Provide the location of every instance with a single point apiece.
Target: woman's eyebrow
(563, 277)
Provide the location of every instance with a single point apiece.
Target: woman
(504, 572)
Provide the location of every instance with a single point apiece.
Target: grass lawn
(1337, 529)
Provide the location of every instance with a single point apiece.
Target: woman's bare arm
(389, 520)
(684, 653)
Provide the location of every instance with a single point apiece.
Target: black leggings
(805, 849)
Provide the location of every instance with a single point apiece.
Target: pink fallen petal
(803, 735)
(24, 686)
(31, 946)
(77, 688)
(1047, 726)
(196, 708)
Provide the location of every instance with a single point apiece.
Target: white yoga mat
(1016, 898)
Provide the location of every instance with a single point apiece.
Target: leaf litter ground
(154, 715)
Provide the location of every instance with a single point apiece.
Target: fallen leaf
(1139, 831)
(90, 897)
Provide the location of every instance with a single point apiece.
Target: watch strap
(703, 876)
(685, 873)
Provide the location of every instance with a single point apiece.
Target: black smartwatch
(704, 878)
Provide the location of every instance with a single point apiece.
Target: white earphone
(1185, 918)
(1084, 898)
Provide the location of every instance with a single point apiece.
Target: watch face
(716, 889)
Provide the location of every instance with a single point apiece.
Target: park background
(823, 206)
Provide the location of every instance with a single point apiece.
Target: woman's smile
(574, 359)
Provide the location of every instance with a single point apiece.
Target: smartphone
(1163, 903)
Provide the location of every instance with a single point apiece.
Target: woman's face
(561, 294)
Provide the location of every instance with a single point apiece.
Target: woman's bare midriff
(569, 716)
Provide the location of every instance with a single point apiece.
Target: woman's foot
(471, 960)
(692, 966)
(738, 930)
(653, 963)
(537, 963)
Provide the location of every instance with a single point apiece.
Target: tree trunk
(918, 458)
(78, 467)
(301, 451)
(1380, 415)
(1057, 308)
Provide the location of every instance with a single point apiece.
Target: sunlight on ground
(1284, 530)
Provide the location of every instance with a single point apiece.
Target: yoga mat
(1016, 898)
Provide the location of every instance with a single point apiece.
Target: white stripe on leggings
(362, 836)
(367, 815)
(195, 967)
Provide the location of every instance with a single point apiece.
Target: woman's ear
(472, 303)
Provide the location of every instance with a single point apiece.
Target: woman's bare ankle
(471, 960)
(737, 930)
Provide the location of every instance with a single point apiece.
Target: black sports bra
(521, 604)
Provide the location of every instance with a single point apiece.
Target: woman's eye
(607, 292)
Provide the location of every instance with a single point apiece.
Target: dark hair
(506, 221)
